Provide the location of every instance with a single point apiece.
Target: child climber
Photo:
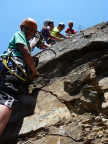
(70, 30)
(56, 32)
(46, 32)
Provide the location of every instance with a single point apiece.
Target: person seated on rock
(70, 30)
(14, 80)
(46, 32)
(56, 31)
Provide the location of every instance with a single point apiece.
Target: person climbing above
(13, 73)
(70, 30)
(56, 31)
(46, 32)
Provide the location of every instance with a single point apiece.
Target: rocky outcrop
(69, 102)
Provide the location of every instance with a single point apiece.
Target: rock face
(69, 102)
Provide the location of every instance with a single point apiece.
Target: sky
(84, 14)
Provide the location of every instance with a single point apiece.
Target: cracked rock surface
(69, 104)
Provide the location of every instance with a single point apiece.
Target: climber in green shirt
(12, 86)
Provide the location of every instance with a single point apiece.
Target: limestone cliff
(69, 103)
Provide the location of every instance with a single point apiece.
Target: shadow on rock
(88, 99)
(22, 109)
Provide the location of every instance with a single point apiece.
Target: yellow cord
(5, 62)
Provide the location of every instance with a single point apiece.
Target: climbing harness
(8, 62)
(15, 67)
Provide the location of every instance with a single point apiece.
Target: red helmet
(70, 23)
(29, 22)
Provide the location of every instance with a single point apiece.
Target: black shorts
(11, 89)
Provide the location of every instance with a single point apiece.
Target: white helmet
(61, 24)
(46, 22)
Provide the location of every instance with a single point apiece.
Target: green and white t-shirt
(18, 37)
